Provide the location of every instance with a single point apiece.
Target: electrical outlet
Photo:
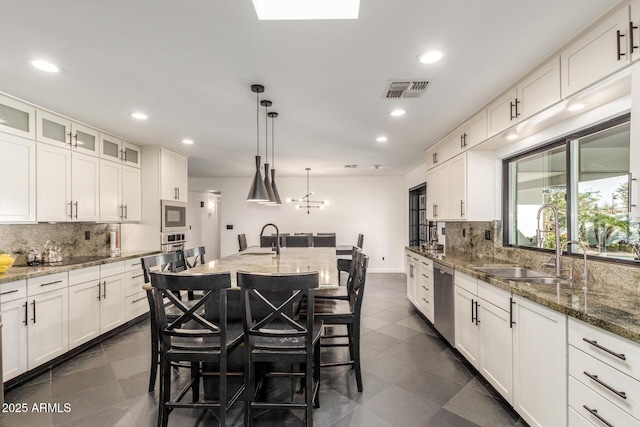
(87, 235)
(487, 234)
(229, 226)
(464, 232)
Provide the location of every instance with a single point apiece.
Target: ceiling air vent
(405, 88)
(350, 166)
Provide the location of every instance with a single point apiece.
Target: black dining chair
(282, 237)
(347, 313)
(324, 241)
(272, 334)
(193, 257)
(160, 262)
(341, 292)
(298, 241)
(242, 242)
(268, 241)
(344, 263)
(193, 338)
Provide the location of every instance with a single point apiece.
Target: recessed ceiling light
(381, 139)
(187, 141)
(512, 136)
(430, 57)
(306, 9)
(139, 116)
(397, 113)
(575, 107)
(45, 66)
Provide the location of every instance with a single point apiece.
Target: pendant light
(257, 192)
(267, 183)
(278, 202)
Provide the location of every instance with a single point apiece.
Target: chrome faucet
(277, 247)
(584, 267)
(557, 230)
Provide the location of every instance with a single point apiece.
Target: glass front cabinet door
(17, 118)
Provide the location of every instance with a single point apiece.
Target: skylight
(306, 9)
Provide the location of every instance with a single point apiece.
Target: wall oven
(173, 217)
(171, 242)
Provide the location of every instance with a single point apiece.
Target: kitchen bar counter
(18, 272)
(606, 306)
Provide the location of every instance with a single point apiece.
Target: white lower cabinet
(112, 296)
(84, 305)
(539, 363)
(48, 333)
(412, 276)
(14, 329)
(424, 288)
(135, 303)
(466, 326)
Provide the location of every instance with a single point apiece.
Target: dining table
(261, 260)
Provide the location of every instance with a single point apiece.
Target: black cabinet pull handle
(71, 209)
(472, 316)
(595, 344)
(619, 45)
(126, 211)
(104, 290)
(594, 412)
(632, 27)
(75, 138)
(477, 319)
(139, 299)
(8, 292)
(517, 112)
(34, 310)
(511, 115)
(99, 290)
(511, 322)
(139, 275)
(70, 138)
(26, 314)
(51, 283)
(76, 204)
(621, 394)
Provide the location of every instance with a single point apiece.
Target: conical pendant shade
(267, 184)
(258, 192)
(275, 188)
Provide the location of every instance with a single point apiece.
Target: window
(586, 177)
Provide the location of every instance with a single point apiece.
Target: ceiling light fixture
(139, 116)
(45, 66)
(306, 9)
(397, 113)
(381, 139)
(430, 57)
(267, 183)
(187, 141)
(257, 192)
(278, 202)
(305, 201)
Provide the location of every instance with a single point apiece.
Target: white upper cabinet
(57, 130)
(17, 118)
(599, 52)
(535, 92)
(117, 150)
(439, 153)
(173, 176)
(18, 201)
(130, 196)
(469, 134)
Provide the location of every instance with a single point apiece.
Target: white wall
(374, 206)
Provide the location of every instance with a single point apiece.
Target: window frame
(565, 141)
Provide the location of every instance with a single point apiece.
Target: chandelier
(305, 201)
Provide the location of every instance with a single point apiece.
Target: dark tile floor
(411, 378)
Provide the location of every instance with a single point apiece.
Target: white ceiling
(189, 65)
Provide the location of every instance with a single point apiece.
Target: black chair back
(326, 234)
(360, 240)
(356, 293)
(164, 262)
(242, 242)
(324, 241)
(298, 241)
(268, 241)
(268, 305)
(196, 253)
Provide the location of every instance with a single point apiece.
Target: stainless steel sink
(543, 280)
(511, 272)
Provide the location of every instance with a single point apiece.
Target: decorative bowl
(6, 261)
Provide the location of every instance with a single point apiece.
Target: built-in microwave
(173, 216)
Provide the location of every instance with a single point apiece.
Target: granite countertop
(20, 272)
(604, 305)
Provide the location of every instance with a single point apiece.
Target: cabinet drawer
(601, 344)
(426, 264)
(133, 281)
(84, 275)
(133, 264)
(135, 305)
(112, 269)
(496, 296)
(426, 276)
(47, 283)
(466, 282)
(425, 289)
(577, 420)
(581, 398)
(606, 381)
(13, 290)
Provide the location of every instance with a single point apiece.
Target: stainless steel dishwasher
(443, 293)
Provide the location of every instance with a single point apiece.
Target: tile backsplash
(18, 239)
